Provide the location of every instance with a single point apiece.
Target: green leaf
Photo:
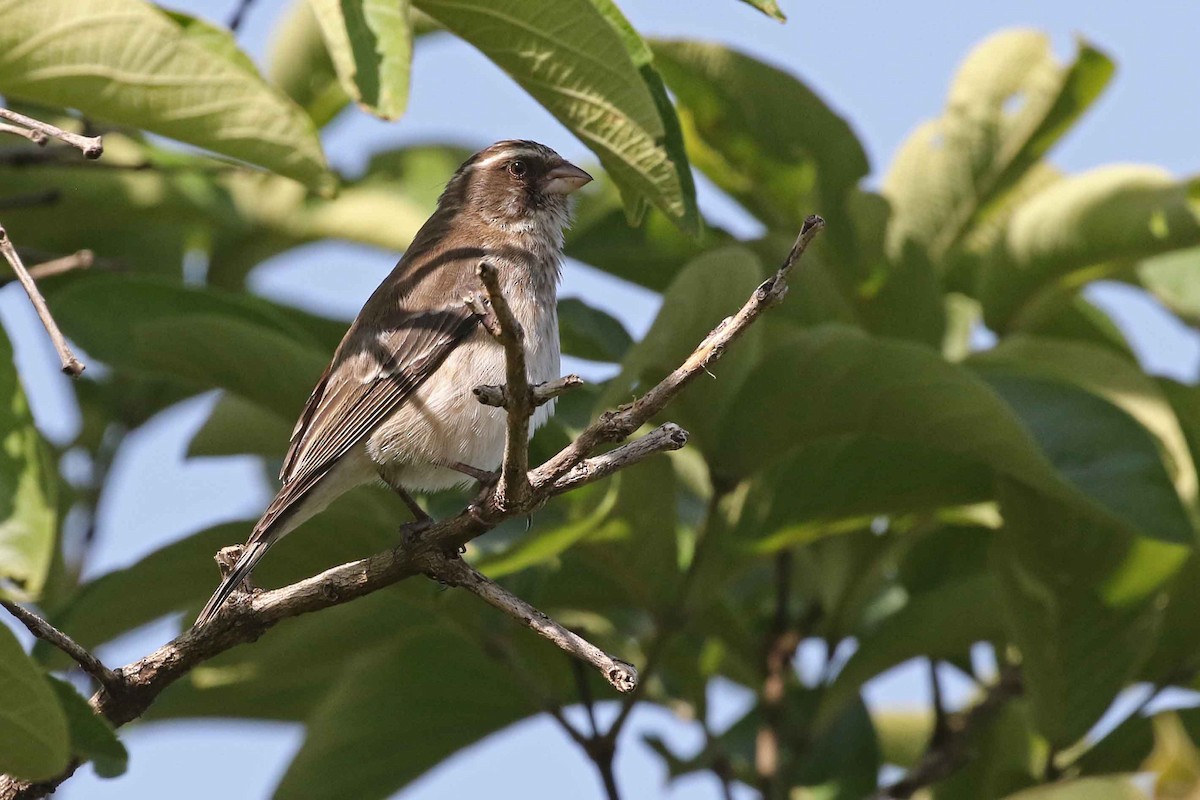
(941, 623)
(1010, 102)
(370, 42)
(217, 40)
(33, 731)
(92, 737)
(1103, 452)
(761, 135)
(577, 60)
(240, 427)
(1007, 755)
(28, 488)
(587, 332)
(1119, 381)
(1174, 278)
(649, 255)
(426, 697)
(204, 338)
(79, 55)
(1081, 642)
(1108, 788)
(768, 7)
(300, 65)
(1076, 230)
(709, 289)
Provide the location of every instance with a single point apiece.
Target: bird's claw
(410, 532)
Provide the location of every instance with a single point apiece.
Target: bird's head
(515, 182)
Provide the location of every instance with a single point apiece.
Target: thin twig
(70, 364)
(513, 487)
(782, 640)
(585, 694)
(668, 436)
(542, 393)
(37, 137)
(456, 572)
(239, 15)
(90, 146)
(53, 636)
(941, 761)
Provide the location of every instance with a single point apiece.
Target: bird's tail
(256, 548)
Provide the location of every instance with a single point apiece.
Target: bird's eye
(517, 168)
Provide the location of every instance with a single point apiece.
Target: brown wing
(369, 378)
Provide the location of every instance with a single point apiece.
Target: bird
(395, 403)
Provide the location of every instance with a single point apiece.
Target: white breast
(443, 422)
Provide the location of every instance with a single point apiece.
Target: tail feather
(253, 553)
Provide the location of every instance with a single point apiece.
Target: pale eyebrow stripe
(507, 154)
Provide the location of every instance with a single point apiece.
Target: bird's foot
(410, 532)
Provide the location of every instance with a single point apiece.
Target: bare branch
(663, 438)
(782, 641)
(239, 15)
(70, 364)
(941, 760)
(80, 259)
(37, 137)
(513, 487)
(90, 146)
(542, 393)
(43, 630)
(614, 426)
(456, 572)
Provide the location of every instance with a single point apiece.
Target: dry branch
(248, 616)
(454, 571)
(43, 630)
(70, 364)
(90, 146)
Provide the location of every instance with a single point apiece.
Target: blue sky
(885, 66)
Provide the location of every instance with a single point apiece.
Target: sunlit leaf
(370, 42)
(77, 53)
(574, 61)
(33, 730)
(28, 487)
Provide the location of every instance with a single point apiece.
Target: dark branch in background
(943, 759)
(239, 15)
(70, 364)
(37, 131)
(46, 197)
(247, 616)
(782, 640)
(43, 630)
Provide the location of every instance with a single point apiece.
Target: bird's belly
(443, 423)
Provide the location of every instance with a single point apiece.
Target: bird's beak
(564, 179)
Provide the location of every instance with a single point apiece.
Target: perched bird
(396, 403)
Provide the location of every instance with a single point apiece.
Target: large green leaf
(578, 60)
(28, 488)
(762, 135)
(237, 426)
(709, 289)
(92, 737)
(80, 54)
(426, 697)
(941, 623)
(1174, 278)
(1108, 788)
(370, 42)
(1081, 638)
(300, 65)
(201, 337)
(1076, 230)
(1009, 103)
(33, 730)
(1117, 380)
(588, 332)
